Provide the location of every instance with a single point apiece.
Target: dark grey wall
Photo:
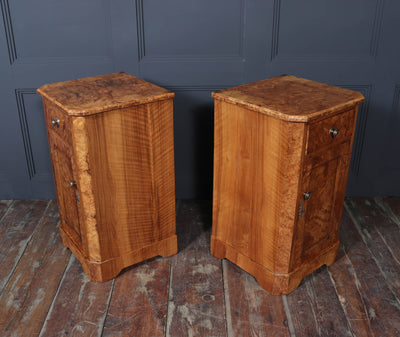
(193, 47)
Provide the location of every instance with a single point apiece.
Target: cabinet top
(291, 98)
(87, 96)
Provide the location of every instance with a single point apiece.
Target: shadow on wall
(194, 143)
(204, 149)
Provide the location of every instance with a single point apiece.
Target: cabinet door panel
(319, 215)
(318, 225)
(67, 194)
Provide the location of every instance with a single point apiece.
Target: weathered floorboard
(382, 237)
(346, 284)
(381, 304)
(196, 302)
(392, 206)
(253, 311)
(315, 308)
(29, 292)
(4, 206)
(139, 301)
(80, 306)
(47, 293)
(16, 229)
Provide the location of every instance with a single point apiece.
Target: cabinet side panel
(119, 153)
(251, 170)
(217, 228)
(162, 139)
(236, 174)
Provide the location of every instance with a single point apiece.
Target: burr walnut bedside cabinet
(282, 149)
(111, 145)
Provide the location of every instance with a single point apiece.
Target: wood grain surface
(291, 98)
(393, 207)
(257, 163)
(347, 288)
(251, 310)
(381, 305)
(318, 132)
(16, 229)
(319, 224)
(29, 292)
(196, 298)
(4, 206)
(79, 307)
(58, 123)
(381, 236)
(265, 163)
(87, 96)
(139, 302)
(113, 169)
(314, 296)
(352, 297)
(122, 165)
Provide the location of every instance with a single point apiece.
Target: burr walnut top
(291, 98)
(96, 94)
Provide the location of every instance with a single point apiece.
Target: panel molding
(396, 98)
(362, 118)
(6, 15)
(30, 162)
(141, 47)
(373, 48)
(140, 29)
(275, 28)
(393, 139)
(376, 31)
(12, 49)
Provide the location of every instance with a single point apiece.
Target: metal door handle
(55, 122)
(333, 132)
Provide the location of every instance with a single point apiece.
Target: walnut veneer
(111, 144)
(282, 149)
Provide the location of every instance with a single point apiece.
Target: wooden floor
(43, 291)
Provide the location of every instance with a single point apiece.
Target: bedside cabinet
(111, 145)
(282, 150)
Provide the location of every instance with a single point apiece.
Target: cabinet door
(67, 194)
(321, 203)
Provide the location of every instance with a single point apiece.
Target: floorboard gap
(71, 258)
(288, 315)
(26, 245)
(229, 326)
(169, 307)
(360, 232)
(108, 307)
(387, 210)
(7, 211)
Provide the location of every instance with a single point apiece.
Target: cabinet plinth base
(274, 283)
(101, 271)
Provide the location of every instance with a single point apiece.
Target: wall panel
(194, 47)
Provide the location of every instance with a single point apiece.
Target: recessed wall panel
(190, 29)
(326, 29)
(59, 28)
